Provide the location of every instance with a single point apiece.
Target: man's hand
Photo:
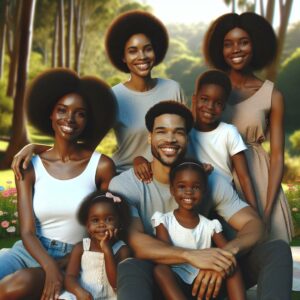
(208, 283)
(216, 259)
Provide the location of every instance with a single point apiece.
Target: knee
(15, 286)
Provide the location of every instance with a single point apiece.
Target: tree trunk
(54, 43)
(14, 44)
(69, 32)
(285, 11)
(19, 132)
(61, 38)
(270, 11)
(3, 25)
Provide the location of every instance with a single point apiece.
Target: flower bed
(9, 224)
(293, 195)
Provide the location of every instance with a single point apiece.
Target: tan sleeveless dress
(251, 119)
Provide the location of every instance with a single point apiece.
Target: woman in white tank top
(69, 108)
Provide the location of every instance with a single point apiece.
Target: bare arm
(241, 167)
(148, 247)
(250, 230)
(54, 278)
(25, 155)
(105, 172)
(142, 169)
(72, 273)
(277, 152)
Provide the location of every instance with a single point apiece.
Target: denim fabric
(18, 258)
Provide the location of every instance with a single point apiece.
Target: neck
(64, 150)
(140, 84)
(206, 127)
(239, 79)
(160, 171)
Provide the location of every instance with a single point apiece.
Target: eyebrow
(164, 127)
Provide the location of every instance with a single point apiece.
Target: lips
(67, 129)
(169, 150)
(237, 60)
(143, 66)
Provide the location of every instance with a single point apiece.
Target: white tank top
(55, 201)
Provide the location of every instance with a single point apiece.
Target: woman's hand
(142, 169)
(53, 283)
(110, 234)
(21, 160)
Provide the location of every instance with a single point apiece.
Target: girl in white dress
(185, 227)
(92, 269)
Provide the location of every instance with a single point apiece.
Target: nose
(171, 137)
(142, 54)
(236, 47)
(70, 117)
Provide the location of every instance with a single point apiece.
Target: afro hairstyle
(50, 86)
(259, 29)
(128, 24)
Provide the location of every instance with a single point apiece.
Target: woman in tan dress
(240, 45)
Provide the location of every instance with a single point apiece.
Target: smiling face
(101, 217)
(188, 189)
(210, 103)
(69, 117)
(237, 49)
(168, 138)
(139, 55)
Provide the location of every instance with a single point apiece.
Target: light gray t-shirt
(130, 128)
(145, 199)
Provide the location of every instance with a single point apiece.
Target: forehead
(171, 121)
(188, 174)
(211, 88)
(237, 33)
(72, 99)
(136, 39)
(101, 208)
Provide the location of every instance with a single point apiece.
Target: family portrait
(149, 150)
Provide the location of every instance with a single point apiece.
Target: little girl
(92, 268)
(185, 227)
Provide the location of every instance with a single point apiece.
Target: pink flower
(4, 224)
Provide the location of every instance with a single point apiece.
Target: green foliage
(295, 140)
(6, 108)
(288, 83)
(292, 41)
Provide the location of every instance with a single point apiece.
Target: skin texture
(213, 261)
(65, 160)
(245, 84)
(102, 226)
(188, 191)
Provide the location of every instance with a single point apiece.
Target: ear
(149, 138)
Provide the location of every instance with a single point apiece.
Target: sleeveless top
(93, 276)
(55, 201)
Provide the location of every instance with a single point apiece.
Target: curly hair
(169, 107)
(50, 86)
(214, 77)
(128, 24)
(121, 209)
(261, 33)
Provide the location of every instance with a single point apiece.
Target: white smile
(143, 67)
(187, 200)
(67, 129)
(168, 150)
(237, 60)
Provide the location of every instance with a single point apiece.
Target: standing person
(185, 227)
(92, 268)
(68, 108)
(237, 44)
(267, 264)
(137, 41)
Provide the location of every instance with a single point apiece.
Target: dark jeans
(268, 264)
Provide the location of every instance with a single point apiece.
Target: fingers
(15, 166)
(197, 283)
(144, 173)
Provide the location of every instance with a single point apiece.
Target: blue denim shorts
(18, 258)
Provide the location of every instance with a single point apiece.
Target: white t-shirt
(217, 147)
(199, 237)
(130, 128)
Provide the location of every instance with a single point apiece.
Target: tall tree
(69, 32)
(3, 25)
(61, 33)
(19, 133)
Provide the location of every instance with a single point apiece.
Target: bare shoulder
(106, 170)
(277, 98)
(106, 164)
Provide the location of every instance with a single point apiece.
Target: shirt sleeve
(235, 142)
(226, 201)
(216, 226)
(157, 219)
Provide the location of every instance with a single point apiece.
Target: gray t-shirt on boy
(145, 199)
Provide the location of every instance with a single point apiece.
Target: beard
(167, 162)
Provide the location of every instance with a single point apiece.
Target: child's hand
(110, 235)
(208, 168)
(84, 295)
(142, 169)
